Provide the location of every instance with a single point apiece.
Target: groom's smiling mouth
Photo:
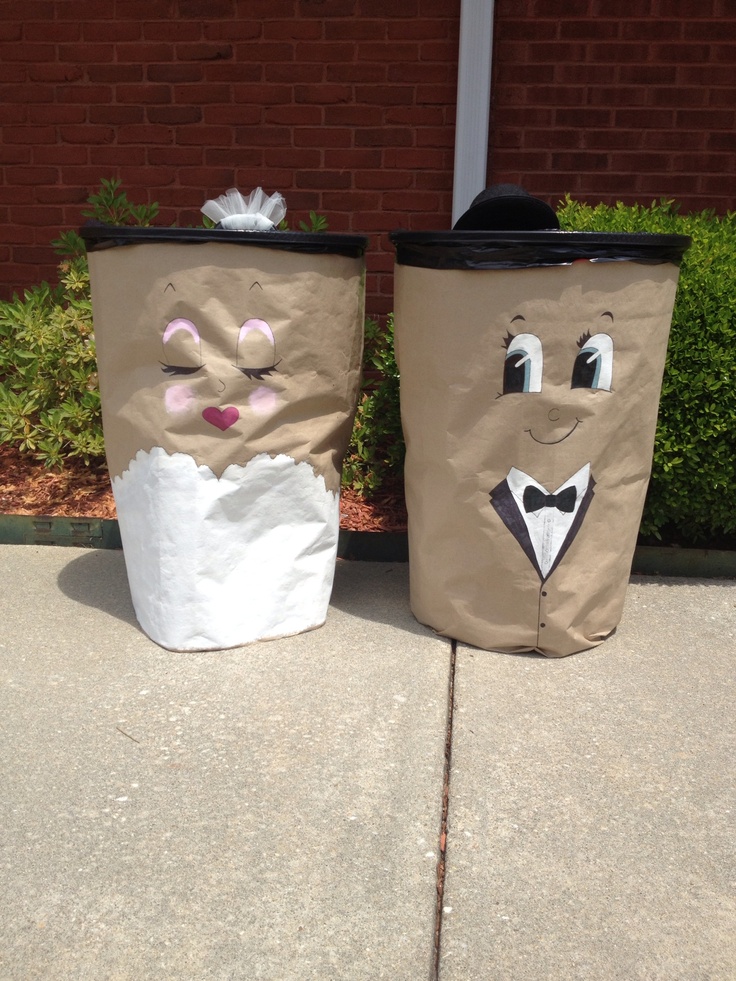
(551, 442)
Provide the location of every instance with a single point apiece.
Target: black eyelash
(584, 338)
(177, 369)
(508, 339)
(256, 374)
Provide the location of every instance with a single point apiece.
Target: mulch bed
(84, 492)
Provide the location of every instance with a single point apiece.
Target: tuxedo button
(544, 592)
(542, 624)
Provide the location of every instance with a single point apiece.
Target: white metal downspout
(473, 102)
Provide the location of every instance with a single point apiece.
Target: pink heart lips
(222, 418)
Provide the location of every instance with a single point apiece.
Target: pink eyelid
(180, 324)
(255, 324)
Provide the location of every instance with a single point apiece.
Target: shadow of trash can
(229, 365)
(531, 365)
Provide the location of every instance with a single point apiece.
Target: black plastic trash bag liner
(531, 366)
(229, 366)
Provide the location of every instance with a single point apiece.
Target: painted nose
(553, 415)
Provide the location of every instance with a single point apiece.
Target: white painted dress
(217, 563)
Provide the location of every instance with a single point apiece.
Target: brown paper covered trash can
(531, 366)
(229, 365)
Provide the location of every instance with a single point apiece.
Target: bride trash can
(531, 364)
(229, 365)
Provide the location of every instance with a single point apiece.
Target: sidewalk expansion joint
(443, 821)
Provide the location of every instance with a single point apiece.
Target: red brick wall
(610, 100)
(345, 106)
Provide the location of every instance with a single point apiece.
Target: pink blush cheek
(178, 399)
(262, 401)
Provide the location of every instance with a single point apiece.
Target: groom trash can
(531, 365)
(229, 366)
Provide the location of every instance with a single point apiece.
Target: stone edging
(364, 546)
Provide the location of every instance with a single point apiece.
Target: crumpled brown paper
(229, 374)
(483, 569)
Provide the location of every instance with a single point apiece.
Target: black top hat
(506, 208)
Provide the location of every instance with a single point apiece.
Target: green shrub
(49, 398)
(694, 468)
(317, 223)
(376, 450)
(50, 407)
(49, 402)
(694, 472)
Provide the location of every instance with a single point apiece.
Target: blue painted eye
(522, 370)
(593, 367)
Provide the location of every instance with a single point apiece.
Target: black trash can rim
(545, 236)
(97, 237)
(518, 250)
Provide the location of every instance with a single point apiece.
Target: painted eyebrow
(180, 324)
(256, 283)
(608, 314)
(509, 336)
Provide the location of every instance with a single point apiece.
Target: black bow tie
(534, 499)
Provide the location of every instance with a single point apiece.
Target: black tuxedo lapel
(505, 506)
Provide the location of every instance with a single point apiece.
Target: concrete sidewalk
(275, 812)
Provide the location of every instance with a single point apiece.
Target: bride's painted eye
(178, 369)
(522, 370)
(258, 373)
(182, 348)
(255, 354)
(593, 367)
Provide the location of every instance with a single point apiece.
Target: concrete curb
(361, 546)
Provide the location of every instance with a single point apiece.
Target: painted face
(589, 363)
(543, 369)
(571, 366)
(186, 360)
(224, 351)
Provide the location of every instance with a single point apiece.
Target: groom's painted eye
(593, 367)
(522, 370)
